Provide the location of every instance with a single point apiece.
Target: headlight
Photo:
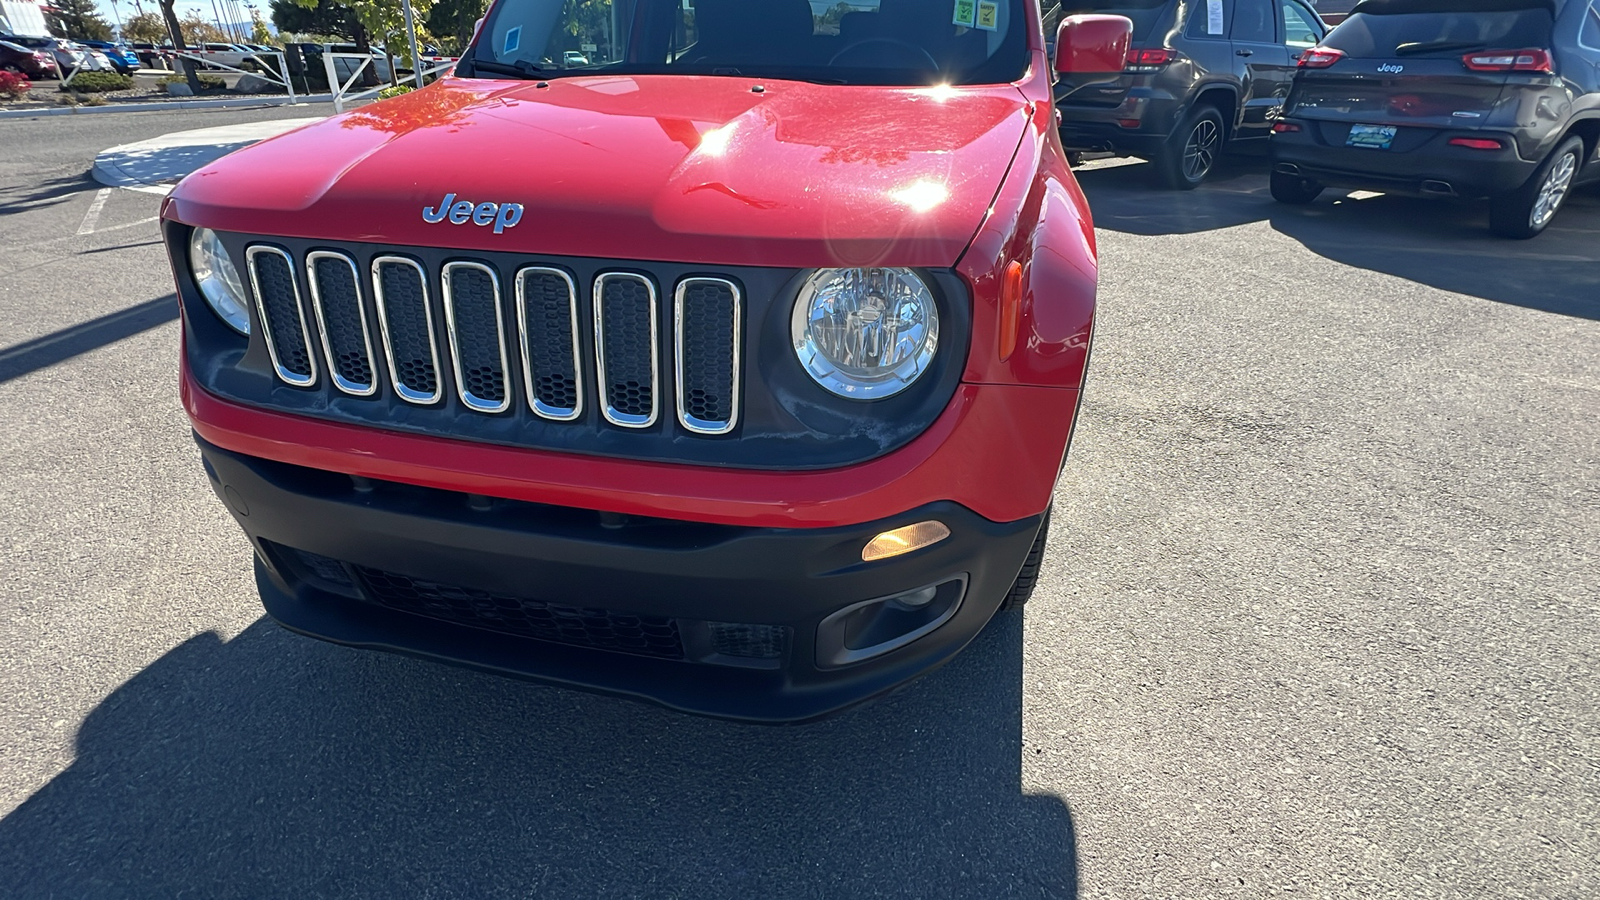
(218, 279)
(865, 333)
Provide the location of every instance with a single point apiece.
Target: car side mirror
(1093, 45)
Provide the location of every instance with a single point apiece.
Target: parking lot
(1318, 616)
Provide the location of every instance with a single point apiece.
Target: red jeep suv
(731, 369)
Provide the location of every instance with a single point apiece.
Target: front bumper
(479, 552)
(1431, 168)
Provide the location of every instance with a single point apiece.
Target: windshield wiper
(1412, 49)
(520, 68)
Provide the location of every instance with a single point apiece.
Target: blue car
(122, 57)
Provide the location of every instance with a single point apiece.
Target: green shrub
(395, 91)
(96, 82)
(207, 82)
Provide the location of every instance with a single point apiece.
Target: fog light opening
(872, 628)
(904, 539)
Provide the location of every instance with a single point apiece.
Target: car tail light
(1531, 60)
(1476, 143)
(1320, 58)
(1281, 127)
(1148, 59)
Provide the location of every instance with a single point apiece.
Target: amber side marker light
(1010, 308)
(904, 540)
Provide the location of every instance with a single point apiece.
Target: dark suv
(1201, 73)
(1449, 98)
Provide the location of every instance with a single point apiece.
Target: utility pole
(411, 33)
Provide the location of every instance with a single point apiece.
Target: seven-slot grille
(481, 337)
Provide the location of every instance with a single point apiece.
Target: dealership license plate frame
(1371, 137)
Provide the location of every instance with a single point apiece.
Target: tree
(146, 28)
(451, 21)
(259, 32)
(196, 30)
(325, 17)
(385, 20)
(175, 29)
(80, 20)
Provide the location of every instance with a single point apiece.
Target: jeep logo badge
(1392, 68)
(503, 215)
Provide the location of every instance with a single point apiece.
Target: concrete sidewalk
(155, 165)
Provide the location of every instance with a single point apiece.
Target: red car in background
(732, 368)
(34, 63)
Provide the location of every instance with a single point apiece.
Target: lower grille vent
(601, 629)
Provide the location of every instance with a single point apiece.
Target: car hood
(698, 169)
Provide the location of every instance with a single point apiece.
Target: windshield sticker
(988, 15)
(966, 12)
(1213, 16)
(514, 38)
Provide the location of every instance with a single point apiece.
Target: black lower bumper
(1426, 166)
(730, 621)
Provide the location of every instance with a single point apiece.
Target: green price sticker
(988, 15)
(965, 12)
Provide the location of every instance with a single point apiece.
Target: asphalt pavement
(1318, 617)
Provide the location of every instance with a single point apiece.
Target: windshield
(1375, 33)
(905, 42)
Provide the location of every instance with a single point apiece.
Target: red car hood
(696, 169)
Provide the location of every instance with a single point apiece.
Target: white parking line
(92, 217)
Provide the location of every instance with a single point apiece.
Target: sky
(237, 11)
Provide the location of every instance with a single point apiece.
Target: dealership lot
(1318, 616)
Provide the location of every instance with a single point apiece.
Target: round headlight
(865, 333)
(218, 279)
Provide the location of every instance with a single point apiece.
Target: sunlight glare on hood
(922, 196)
(715, 141)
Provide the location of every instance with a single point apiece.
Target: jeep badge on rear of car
(503, 215)
(1392, 68)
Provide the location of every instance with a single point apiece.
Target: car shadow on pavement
(1442, 244)
(274, 765)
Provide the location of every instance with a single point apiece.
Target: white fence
(356, 63)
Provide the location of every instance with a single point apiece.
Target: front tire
(1022, 588)
(1293, 189)
(1192, 152)
(1529, 210)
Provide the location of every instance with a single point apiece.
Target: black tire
(1293, 189)
(1529, 210)
(1191, 153)
(1074, 158)
(1022, 588)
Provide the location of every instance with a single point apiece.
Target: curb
(155, 165)
(173, 104)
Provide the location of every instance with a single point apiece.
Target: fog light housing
(904, 539)
(874, 627)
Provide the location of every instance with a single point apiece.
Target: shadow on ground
(44, 193)
(273, 765)
(59, 346)
(1443, 244)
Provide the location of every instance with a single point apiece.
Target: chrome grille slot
(547, 323)
(400, 289)
(707, 321)
(477, 336)
(283, 316)
(342, 319)
(625, 348)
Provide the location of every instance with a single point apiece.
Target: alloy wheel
(1556, 183)
(1201, 149)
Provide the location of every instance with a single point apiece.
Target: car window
(1255, 21)
(1374, 32)
(1298, 30)
(1589, 34)
(906, 42)
(1210, 20)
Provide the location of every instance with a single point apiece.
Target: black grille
(748, 641)
(338, 297)
(410, 339)
(280, 309)
(581, 626)
(476, 338)
(547, 315)
(626, 316)
(706, 344)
